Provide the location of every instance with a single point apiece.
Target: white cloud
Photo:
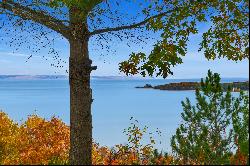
(13, 54)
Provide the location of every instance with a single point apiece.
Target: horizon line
(139, 77)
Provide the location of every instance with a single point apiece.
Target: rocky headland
(236, 86)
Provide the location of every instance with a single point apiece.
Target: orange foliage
(8, 136)
(37, 141)
(40, 141)
(239, 159)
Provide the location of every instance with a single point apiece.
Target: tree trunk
(80, 104)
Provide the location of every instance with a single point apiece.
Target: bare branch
(126, 27)
(27, 13)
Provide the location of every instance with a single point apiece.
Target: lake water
(115, 101)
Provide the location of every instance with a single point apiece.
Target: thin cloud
(7, 54)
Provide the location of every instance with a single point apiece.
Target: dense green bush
(215, 130)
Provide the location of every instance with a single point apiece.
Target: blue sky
(194, 64)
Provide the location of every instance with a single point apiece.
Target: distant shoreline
(29, 77)
(56, 77)
(184, 86)
(65, 77)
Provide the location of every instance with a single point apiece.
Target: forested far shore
(236, 86)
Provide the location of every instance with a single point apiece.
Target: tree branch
(137, 25)
(27, 13)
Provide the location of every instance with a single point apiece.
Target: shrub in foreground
(40, 141)
(216, 129)
(36, 141)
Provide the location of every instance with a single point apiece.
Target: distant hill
(116, 78)
(33, 77)
(52, 77)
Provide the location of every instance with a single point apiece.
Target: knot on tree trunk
(80, 69)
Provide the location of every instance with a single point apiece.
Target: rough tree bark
(80, 103)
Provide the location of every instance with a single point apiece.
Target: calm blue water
(115, 101)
